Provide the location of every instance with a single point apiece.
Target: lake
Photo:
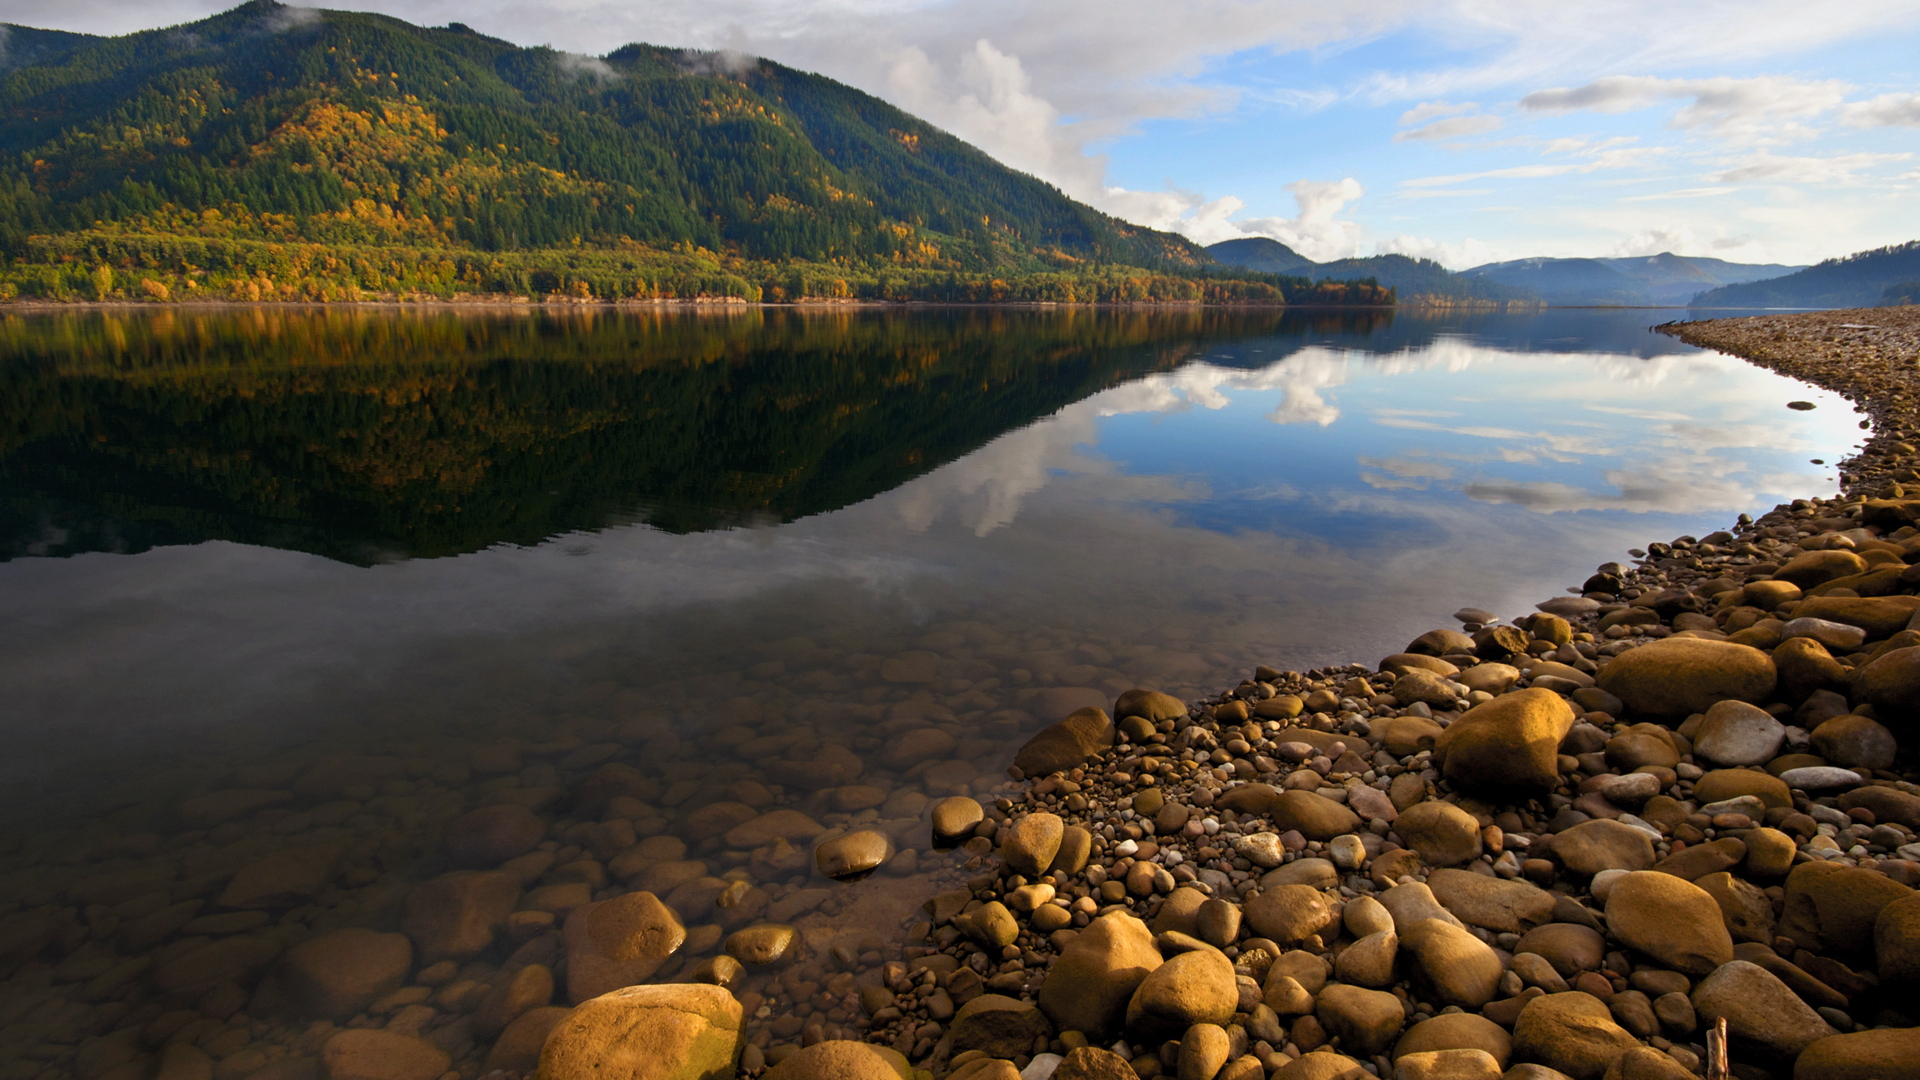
(321, 581)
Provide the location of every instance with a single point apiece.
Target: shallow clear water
(402, 565)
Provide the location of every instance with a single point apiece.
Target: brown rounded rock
(1312, 816)
(1572, 1032)
(1084, 734)
(1456, 1031)
(681, 1031)
(1722, 784)
(1855, 742)
(1674, 677)
(1439, 832)
(1804, 665)
(1569, 947)
(362, 1054)
(1191, 988)
(1510, 742)
(457, 915)
(1758, 1008)
(954, 819)
(1672, 920)
(1093, 1063)
(491, 835)
(1879, 1054)
(1097, 974)
(338, 974)
(767, 943)
(1462, 969)
(1810, 568)
(1365, 1021)
(1289, 913)
(854, 854)
(842, 1059)
(1601, 844)
(618, 942)
(518, 1046)
(999, 1026)
(1832, 908)
(1151, 705)
(1029, 844)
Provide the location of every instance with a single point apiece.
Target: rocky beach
(1559, 843)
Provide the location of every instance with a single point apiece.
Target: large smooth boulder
(1759, 1009)
(1462, 969)
(1191, 988)
(1670, 919)
(679, 1031)
(1510, 742)
(842, 1059)
(618, 942)
(1879, 616)
(1832, 908)
(1572, 1032)
(1879, 1054)
(1149, 705)
(1675, 677)
(1094, 978)
(1084, 734)
(1891, 684)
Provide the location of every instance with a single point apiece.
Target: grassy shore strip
(1564, 845)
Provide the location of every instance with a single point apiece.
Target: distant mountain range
(1663, 280)
(1888, 275)
(1417, 281)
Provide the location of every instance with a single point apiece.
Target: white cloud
(1517, 172)
(1761, 109)
(1466, 253)
(1769, 168)
(587, 67)
(1887, 110)
(1455, 127)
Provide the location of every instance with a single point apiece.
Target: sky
(1467, 131)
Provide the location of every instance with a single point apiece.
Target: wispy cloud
(1766, 168)
(1761, 109)
(1887, 110)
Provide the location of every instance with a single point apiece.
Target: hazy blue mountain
(1866, 279)
(1658, 280)
(1415, 280)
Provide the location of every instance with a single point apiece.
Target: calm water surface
(387, 568)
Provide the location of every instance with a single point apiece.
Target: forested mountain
(1261, 253)
(1415, 281)
(277, 152)
(1865, 279)
(1655, 280)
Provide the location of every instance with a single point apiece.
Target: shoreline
(494, 302)
(1112, 866)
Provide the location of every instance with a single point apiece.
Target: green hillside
(1863, 279)
(285, 153)
(1414, 281)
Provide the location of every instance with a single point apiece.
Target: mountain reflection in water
(367, 436)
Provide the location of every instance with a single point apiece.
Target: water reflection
(949, 530)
